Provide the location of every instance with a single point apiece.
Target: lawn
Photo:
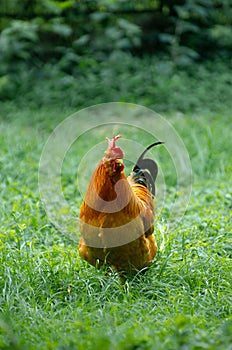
(50, 299)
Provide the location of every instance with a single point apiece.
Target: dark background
(48, 49)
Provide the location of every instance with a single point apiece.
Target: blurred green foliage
(73, 36)
(51, 29)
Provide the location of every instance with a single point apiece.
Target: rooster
(117, 213)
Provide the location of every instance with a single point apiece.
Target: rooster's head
(113, 156)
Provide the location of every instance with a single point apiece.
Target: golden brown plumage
(117, 214)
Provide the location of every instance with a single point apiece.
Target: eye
(107, 155)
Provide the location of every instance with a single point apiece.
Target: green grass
(50, 299)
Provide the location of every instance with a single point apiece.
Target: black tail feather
(146, 170)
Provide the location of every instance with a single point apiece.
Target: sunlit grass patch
(50, 299)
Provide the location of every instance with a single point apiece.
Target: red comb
(117, 153)
(112, 143)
